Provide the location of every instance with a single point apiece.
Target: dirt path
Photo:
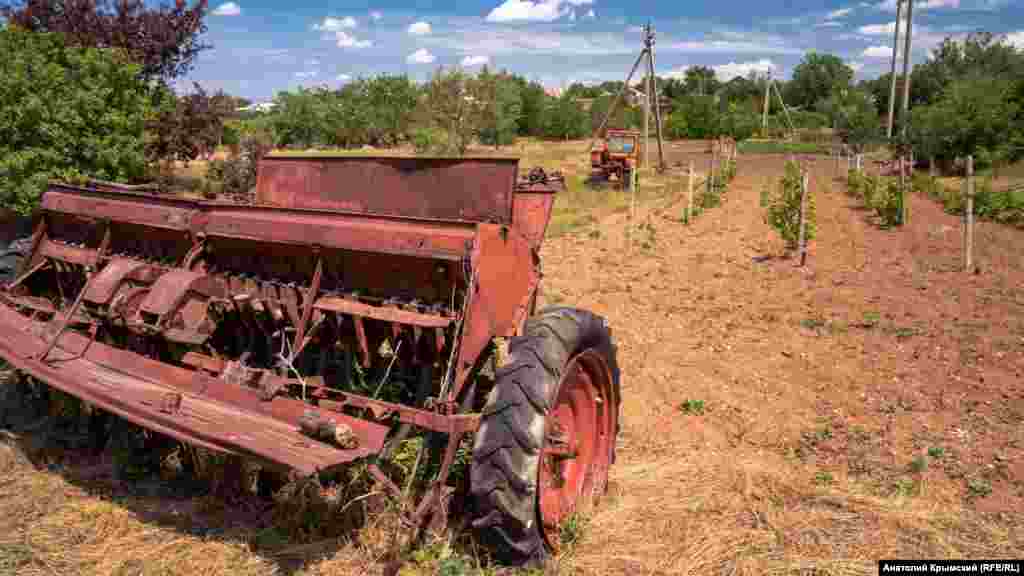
(867, 406)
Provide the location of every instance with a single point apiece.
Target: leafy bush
(888, 202)
(854, 183)
(784, 208)
(66, 113)
(428, 140)
(236, 176)
(928, 186)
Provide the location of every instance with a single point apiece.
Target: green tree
(564, 119)
(533, 101)
(815, 79)
(700, 81)
(448, 107)
(854, 117)
(500, 105)
(66, 113)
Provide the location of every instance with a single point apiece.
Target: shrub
(428, 140)
(65, 113)
(236, 176)
(887, 202)
(784, 208)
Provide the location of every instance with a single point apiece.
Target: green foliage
(448, 106)
(237, 174)
(376, 111)
(822, 478)
(854, 118)
(695, 407)
(887, 201)
(65, 113)
(784, 208)
(676, 125)
(936, 452)
(565, 120)
(501, 105)
(816, 78)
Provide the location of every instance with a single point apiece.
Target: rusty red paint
(392, 245)
(468, 189)
(212, 414)
(386, 314)
(578, 444)
(170, 290)
(114, 274)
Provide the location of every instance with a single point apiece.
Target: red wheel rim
(579, 437)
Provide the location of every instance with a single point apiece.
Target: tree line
(85, 91)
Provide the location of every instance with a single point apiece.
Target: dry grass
(800, 461)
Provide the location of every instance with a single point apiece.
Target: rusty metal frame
(496, 242)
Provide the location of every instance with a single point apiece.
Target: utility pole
(767, 101)
(892, 73)
(647, 119)
(906, 63)
(651, 81)
(649, 43)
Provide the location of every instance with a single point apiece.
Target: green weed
(692, 407)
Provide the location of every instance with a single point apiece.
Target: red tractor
(616, 155)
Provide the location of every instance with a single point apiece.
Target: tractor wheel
(547, 436)
(627, 179)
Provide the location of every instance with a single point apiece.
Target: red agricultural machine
(268, 329)
(616, 155)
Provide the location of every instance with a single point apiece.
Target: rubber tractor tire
(627, 179)
(547, 435)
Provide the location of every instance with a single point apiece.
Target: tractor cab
(616, 155)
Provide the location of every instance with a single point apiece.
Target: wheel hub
(578, 443)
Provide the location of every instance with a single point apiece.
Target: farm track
(869, 405)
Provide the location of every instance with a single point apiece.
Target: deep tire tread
(506, 453)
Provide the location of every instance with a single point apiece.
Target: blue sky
(262, 46)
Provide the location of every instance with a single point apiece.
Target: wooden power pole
(892, 73)
(651, 82)
(906, 63)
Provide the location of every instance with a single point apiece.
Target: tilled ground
(776, 419)
(868, 405)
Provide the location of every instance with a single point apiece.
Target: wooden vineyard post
(969, 217)
(689, 196)
(803, 217)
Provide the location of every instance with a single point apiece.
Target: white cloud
(920, 5)
(346, 40)
(580, 2)
(829, 24)
(877, 52)
(856, 66)
(590, 13)
(419, 28)
(635, 29)
(1015, 39)
(376, 15)
(343, 78)
(836, 14)
(881, 29)
(227, 9)
(421, 56)
(307, 74)
(527, 10)
(332, 24)
(572, 16)
(470, 61)
(727, 46)
(731, 70)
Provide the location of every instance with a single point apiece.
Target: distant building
(257, 107)
(553, 91)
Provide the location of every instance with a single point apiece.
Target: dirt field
(776, 419)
